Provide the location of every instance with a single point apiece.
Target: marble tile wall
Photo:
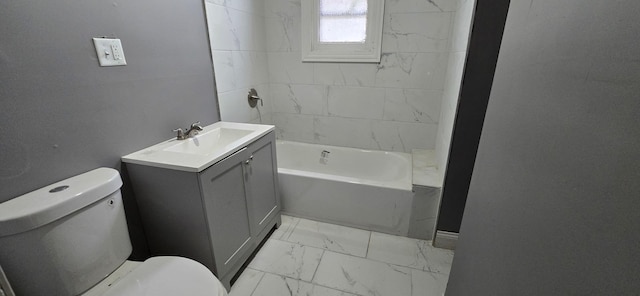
(455, 65)
(393, 105)
(238, 46)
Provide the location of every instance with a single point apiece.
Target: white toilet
(71, 238)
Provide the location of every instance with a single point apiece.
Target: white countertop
(158, 156)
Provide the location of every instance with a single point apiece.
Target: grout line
(293, 228)
(324, 252)
(366, 254)
(348, 228)
(302, 245)
(356, 256)
(312, 283)
(319, 248)
(317, 266)
(411, 269)
(387, 263)
(259, 281)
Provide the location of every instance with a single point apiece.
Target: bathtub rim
(353, 180)
(350, 180)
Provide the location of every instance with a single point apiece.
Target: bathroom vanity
(212, 198)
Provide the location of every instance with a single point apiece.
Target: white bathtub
(360, 188)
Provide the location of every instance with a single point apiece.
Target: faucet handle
(180, 132)
(196, 126)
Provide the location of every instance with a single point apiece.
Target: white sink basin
(195, 154)
(210, 142)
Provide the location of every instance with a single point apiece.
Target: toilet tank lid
(47, 204)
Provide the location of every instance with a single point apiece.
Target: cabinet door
(264, 202)
(224, 192)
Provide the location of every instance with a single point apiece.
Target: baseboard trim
(445, 240)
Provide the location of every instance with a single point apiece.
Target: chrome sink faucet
(192, 131)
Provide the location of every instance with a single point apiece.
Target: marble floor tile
(409, 252)
(362, 276)
(246, 283)
(398, 250)
(275, 285)
(309, 258)
(286, 227)
(425, 283)
(287, 259)
(331, 237)
(438, 260)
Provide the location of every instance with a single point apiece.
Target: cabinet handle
(248, 161)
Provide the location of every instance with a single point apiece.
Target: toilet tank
(66, 237)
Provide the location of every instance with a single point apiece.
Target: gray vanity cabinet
(217, 216)
(263, 186)
(224, 196)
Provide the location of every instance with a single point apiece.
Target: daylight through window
(342, 21)
(342, 30)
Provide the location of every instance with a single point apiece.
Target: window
(341, 30)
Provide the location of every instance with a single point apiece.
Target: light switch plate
(109, 51)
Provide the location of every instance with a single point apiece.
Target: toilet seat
(160, 276)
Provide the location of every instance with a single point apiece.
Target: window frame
(315, 51)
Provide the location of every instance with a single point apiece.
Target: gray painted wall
(62, 115)
(553, 207)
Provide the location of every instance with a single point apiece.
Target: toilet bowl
(71, 238)
(161, 276)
